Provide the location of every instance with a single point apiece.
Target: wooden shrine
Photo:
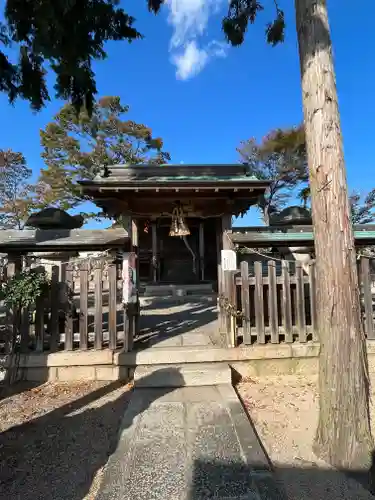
(178, 215)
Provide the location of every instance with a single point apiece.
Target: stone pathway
(185, 324)
(191, 443)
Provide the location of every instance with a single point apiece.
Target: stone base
(261, 361)
(187, 375)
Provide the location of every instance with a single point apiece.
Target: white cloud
(192, 59)
(189, 19)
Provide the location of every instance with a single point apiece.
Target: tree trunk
(343, 436)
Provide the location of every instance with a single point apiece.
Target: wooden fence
(279, 305)
(83, 310)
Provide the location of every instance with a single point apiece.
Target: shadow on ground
(170, 323)
(220, 480)
(58, 454)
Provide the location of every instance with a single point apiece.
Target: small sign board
(228, 260)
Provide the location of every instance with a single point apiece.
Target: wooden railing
(280, 305)
(83, 310)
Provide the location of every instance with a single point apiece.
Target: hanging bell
(174, 225)
(178, 225)
(183, 230)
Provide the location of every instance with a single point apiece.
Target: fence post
(129, 311)
(272, 302)
(245, 299)
(83, 305)
(287, 302)
(112, 305)
(233, 315)
(300, 303)
(54, 318)
(228, 296)
(98, 304)
(367, 297)
(220, 297)
(39, 324)
(67, 272)
(259, 303)
(313, 311)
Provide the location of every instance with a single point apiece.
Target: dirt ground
(55, 438)
(284, 411)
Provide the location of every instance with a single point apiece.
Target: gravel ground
(284, 411)
(55, 438)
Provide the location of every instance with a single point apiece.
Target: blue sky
(203, 97)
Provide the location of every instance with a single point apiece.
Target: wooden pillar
(14, 267)
(226, 232)
(154, 253)
(227, 290)
(135, 248)
(201, 249)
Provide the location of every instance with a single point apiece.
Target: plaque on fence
(129, 278)
(228, 260)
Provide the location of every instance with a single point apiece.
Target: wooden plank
(98, 301)
(233, 318)
(220, 292)
(272, 302)
(67, 272)
(300, 303)
(259, 303)
(367, 297)
(132, 324)
(286, 302)
(25, 329)
(313, 309)
(279, 280)
(245, 299)
(127, 329)
(227, 315)
(130, 319)
(54, 317)
(83, 305)
(112, 306)
(39, 324)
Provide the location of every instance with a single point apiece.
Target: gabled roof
(150, 175)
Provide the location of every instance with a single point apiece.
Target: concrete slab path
(190, 443)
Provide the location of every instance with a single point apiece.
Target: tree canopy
(76, 147)
(16, 191)
(280, 158)
(64, 36)
(362, 208)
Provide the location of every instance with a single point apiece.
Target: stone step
(185, 375)
(171, 300)
(176, 290)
